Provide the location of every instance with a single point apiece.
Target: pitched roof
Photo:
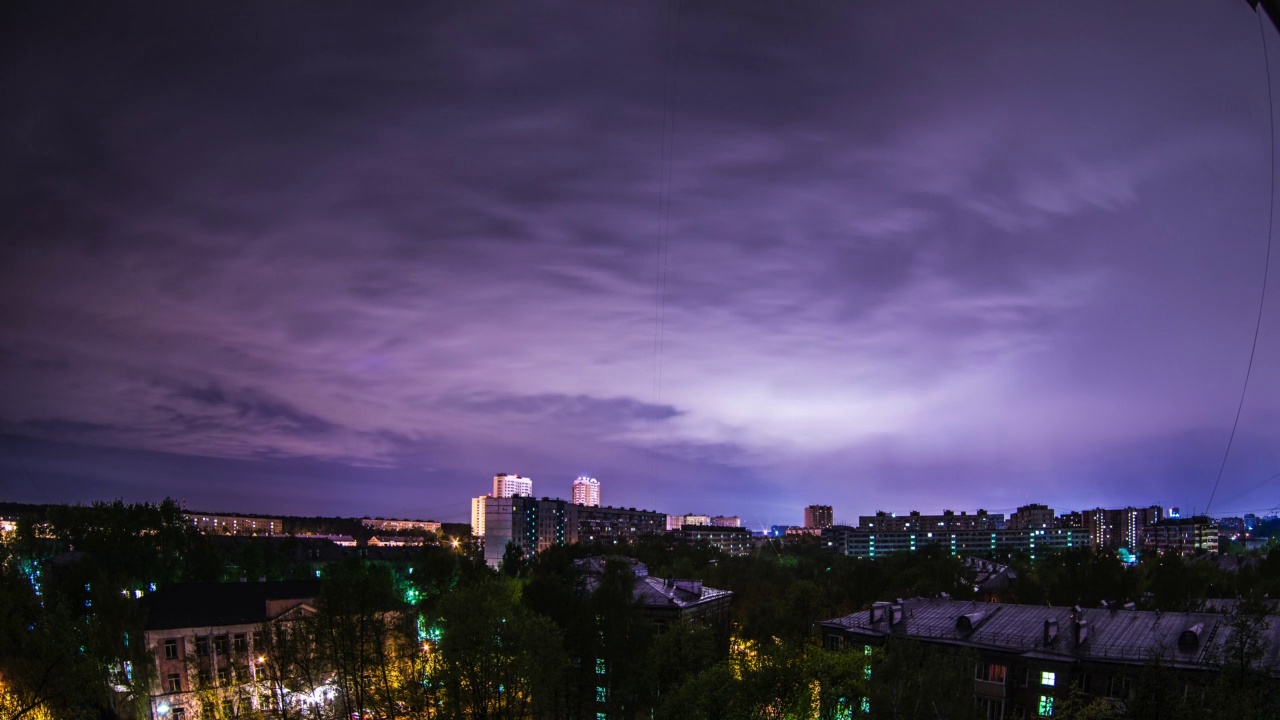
(196, 605)
(1115, 635)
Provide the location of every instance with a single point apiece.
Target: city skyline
(739, 261)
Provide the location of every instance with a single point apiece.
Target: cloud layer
(908, 258)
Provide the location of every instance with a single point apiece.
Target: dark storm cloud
(946, 250)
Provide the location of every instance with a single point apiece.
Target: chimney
(1050, 632)
(895, 614)
(879, 611)
(1190, 638)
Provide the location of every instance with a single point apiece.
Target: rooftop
(1114, 634)
(196, 605)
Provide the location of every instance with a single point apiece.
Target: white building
(586, 491)
(507, 485)
(477, 515)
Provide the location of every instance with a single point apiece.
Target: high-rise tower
(506, 485)
(586, 491)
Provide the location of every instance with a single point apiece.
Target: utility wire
(670, 86)
(1266, 266)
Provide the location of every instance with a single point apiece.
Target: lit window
(1047, 678)
(174, 682)
(1046, 706)
(602, 695)
(866, 705)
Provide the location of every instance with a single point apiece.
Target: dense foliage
(431, 632)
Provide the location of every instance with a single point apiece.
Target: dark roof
(194, 605)
(1115, 635)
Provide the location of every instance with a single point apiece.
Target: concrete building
(383, 525)
(1182, 536)
(819, 516)
(728, 540)
(586, 491)
(209, 644)
(982, 543)
(948, 521)
(1030, 658)
(235, 524)
(506, 485)
(534, 525)
(675, 522)
(726, 521)
(477, 515)
(1124, 528)
(1032, 517)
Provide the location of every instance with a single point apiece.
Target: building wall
(235, 524)
(731, 541)
(1123, 528)
(818, 516)
(478, 515)
(400, 525)
(215, 669)
(948, 521)
(1185, 536)
(1032, 517)
(506, 485)
(860, 543)
(586, 491)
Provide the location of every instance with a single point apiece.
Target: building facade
(1183, 536)
(210, 646)
(948, 521)
(1032, 517)
(235, 524)
(981, 543)
(819, 516)
(586, 491)
(728, 540)
(506, 485)
(383, 525)
(477, 515)
(1124, 528)
(534, 525)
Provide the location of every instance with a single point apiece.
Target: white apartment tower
(477, 516)
(506, 485)
(586, 491)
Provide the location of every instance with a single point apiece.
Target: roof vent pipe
(1190, 638)
(969, 621)
(1050, 632)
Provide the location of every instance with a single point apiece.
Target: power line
(1266, 266)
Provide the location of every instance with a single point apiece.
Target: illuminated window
(174, 682)
(1047, 678)
(1046, 706)
(991, 672)
(866, 649)
(599, 666)
(866, 705)
(602, 695)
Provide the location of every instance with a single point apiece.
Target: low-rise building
(948, 521)
(1032, 657)
(209, 644)
(385, 525)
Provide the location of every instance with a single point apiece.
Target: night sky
(288, 257)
